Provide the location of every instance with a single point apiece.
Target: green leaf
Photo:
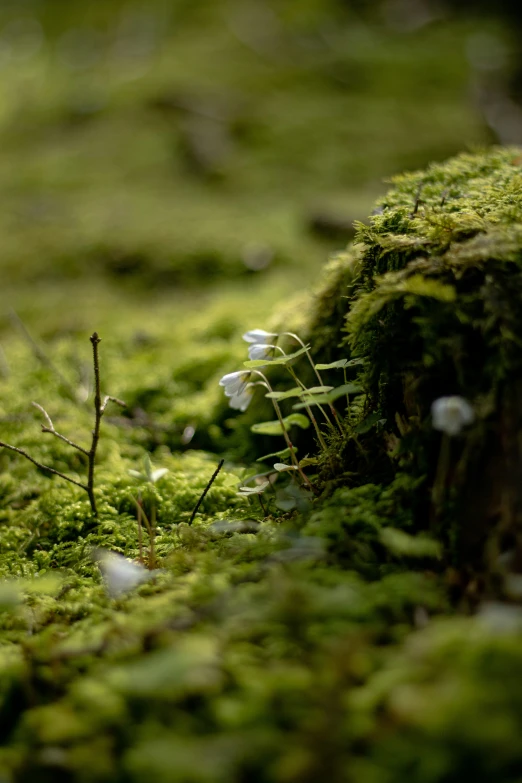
(274, 427)
(267, 428)
(404, 545)
(366, 424)
(147, 465)
(282, 454)
(333, 365)
(258, 490)
(281, 360)
(331, 396)
(297, 391)
(306, 461)
(294, 392)
(297, 419)
(137, 475)
(339, 364)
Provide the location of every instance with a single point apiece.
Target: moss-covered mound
(428, 299)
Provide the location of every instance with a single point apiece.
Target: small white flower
(261, 351)
(451, 414)
(119, 574)
(258, 336)
(241, 400)
(235, 382)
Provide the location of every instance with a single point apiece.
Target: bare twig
(418, 200)
(116, 401)
(52, 431)
(99, 409)
(41, 466)
(203, 494)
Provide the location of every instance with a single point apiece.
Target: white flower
(261, 351)
(119, 574)
(451, 414)
(242, 399)
(235, 382)
(258, 336)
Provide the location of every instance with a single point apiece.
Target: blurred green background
(159, 151)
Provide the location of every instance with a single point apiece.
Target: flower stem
(284, 430)
(309, 410)
(317, 375)
(443, 465)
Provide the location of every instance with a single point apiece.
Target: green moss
(434, 311)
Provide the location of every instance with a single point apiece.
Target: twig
(108, 398)
(52, 431)
(418, 201)
(203, 494)
(99, 409)
(42, 466)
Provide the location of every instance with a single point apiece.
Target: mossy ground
(140, 193)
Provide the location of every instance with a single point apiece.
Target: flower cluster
(237, 385)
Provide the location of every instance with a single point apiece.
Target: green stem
(443, 465)
(348, 416)
(309, 410)
(317, 375)
(284, 430)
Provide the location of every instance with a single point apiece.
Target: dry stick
(42, 466)
(99, 410)
(52, 431)
(417, 200)
(203, 494)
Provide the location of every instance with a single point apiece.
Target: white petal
(234, 382)
(119, 574)
(260, 351)
(258, 336)
(451, 414)
(241, 401)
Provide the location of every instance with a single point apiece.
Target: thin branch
(42, 466)
(50, 428)
(98, 413)
(202, 498)
(116, 401)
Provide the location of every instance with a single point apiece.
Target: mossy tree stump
(430, 298)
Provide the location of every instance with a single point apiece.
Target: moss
(434, 311)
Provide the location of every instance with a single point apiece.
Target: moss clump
(433, 309)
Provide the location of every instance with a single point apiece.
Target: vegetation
(352, 614)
